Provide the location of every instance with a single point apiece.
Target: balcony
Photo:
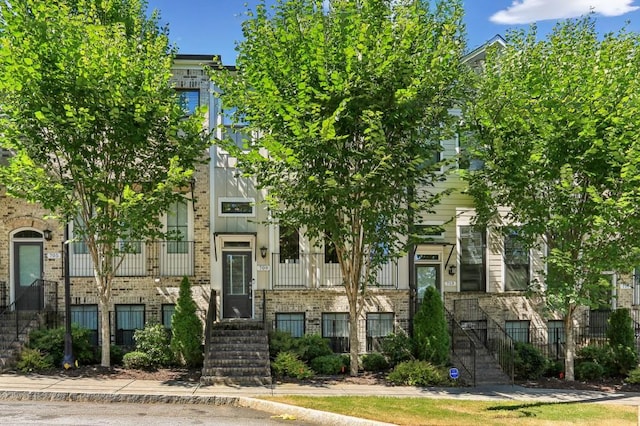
(312, 270)
(151, 258)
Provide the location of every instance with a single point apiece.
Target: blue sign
(454, 373)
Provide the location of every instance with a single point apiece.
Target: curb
(276, 408)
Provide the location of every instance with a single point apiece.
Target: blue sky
(213, 26)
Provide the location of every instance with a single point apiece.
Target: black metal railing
(463, 348)
(475, 321)
(313, 270)
(211, 318)
(36, 303)
(151, 258)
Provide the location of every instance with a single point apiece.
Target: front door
(27, 269)
(426, 276)
(237, 283)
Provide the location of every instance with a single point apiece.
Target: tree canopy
(555, 124)
(350, 100)
(98, 134)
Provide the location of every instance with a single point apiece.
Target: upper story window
(189, 99)
(239, 207)
(466, 160)
(330, 253)
(472, 259)
(234, 128)
(516, 264)
(178, 228)
(289, 244)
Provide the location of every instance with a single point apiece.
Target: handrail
(211, 317)
(468, 362)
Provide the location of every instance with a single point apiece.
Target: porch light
(452, 270)
(47, 234)
(263, 252)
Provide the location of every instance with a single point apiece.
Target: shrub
(621, 330)
(634, 376)
(430, 330)
(51, 343)
(287, 364)
(397, 348)
(186, 342)
(154, 341)
(601, 355)
(33, 360)
(623, 360)
(374, 361)
(528, 363)
(328, 364)
(589, 370)
(280, 341)
(553, 368)
(116, 354)
(138, 361)
(417, 373)
(311, 346)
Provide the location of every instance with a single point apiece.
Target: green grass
(426, 411)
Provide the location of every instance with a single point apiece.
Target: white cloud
(528, 11)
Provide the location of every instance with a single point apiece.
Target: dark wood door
(237, 279)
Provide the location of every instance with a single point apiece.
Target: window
(472, 259)
(429, 231)
(234, 128)
(189, 99)
(239, 207)
(293, 323)
(599, 322)
(516, 264)
(78, 246)
(379, 326)
(178, 228)
(636, 286)
(517, 330)
(289, 245)
(86, 316)
(335, 327)
(129, 318)
(167, 315)
(330, 253)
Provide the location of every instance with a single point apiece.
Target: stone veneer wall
(313, 303)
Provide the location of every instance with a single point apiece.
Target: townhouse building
(241, 266)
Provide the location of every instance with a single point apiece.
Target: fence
(151, 258)
(314, 270)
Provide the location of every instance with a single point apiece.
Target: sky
(213, 27)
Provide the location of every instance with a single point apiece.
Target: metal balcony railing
(152, 258)
(314, 270)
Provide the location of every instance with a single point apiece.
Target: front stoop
(238, 354)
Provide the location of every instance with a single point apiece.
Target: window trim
(507, 323)
(129, 305)
(180, 91)
(300, 314)
(506, 266)
(483, 273)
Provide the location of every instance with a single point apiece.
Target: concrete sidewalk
(48, 388)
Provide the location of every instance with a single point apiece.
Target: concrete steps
(237, 354)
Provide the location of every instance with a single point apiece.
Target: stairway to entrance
(237, 353)
(13, 335)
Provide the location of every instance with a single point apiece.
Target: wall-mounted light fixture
(47, 234)
(452, 270)
(263, 252)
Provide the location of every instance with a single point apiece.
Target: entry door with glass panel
(27, 264)
(236, 284)
(426, 276)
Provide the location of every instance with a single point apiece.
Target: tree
(350, 100)
(186, 328)
(555, 122)
(97, 132)
(430, 330)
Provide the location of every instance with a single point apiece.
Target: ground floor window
(555, 331)
(86, 316)
(168, 310)
(129, 318)
(518, 330)
(292, 323)
(335, 327)
(379, 326)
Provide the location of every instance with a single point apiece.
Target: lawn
(426, 411)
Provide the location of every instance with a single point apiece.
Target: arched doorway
(27, 269)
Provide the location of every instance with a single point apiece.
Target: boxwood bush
(417, 373)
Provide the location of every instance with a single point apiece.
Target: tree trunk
(105, 332)
(570, 346)
(354, 343)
